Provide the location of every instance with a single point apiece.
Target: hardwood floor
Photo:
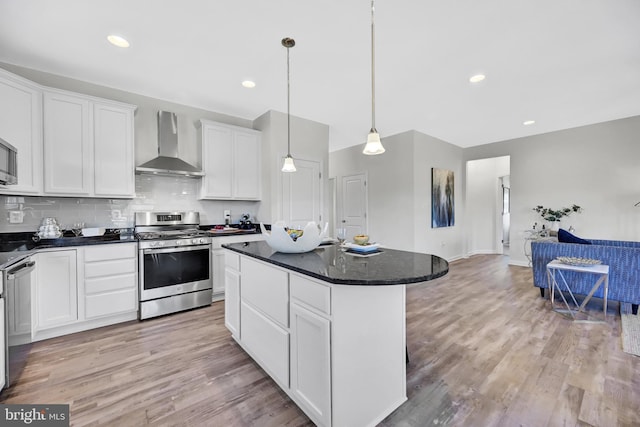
(485, 350)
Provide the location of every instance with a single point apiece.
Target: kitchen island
(328, 326)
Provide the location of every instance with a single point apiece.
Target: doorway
(354, 206)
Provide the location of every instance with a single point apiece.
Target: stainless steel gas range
(174, 262)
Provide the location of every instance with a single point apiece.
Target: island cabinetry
(88, 146)
(218, 260)
(231, 162)
(21, 126)
(337, 350)
(232, 293)
(311, 348)
(110, 280)
(264, 317)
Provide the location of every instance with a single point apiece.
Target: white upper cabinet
(88, 146)
(67, 144)
(231, 162)
(114, 164)
(21, 126)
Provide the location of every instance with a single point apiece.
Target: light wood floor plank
(485, 350)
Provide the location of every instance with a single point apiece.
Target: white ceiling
(562, 63)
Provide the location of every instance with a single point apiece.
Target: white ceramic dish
(279, 240)
(579, 262)
(93, 232)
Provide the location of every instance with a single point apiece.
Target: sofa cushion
(565, 237)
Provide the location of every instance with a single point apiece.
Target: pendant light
(374, 146)
(288, 165)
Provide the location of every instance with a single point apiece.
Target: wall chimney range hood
(167, 163)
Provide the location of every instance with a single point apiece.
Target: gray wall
(596, 167)
(309, 141)
(399, 191)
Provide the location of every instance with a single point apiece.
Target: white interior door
(354, 204)
(301, 196)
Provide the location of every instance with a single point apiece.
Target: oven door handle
(175, 249)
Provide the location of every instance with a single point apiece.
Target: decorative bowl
(579, 262)
(360, 239)
(281, 241)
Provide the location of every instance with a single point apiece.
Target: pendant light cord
(288, 108)
(373, 72)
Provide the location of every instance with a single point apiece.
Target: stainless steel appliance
(174, 262)
(8, 163)
(168, 163)
(16, 300)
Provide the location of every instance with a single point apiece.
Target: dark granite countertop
(331, 264)
(255, 229)
(15, 246)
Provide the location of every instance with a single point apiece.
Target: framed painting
(442, 198)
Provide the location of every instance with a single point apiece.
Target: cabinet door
(217, 162)
(114, 167)
(266, 341)
(21, 126)
(311, 363)
(67, 144)
(56, 289)
(232, 301)
(3, 343)
(246, 164)
(217, 265)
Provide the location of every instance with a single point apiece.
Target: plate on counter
(363, 254)
(579, 262)
(225, 230)
(364, 249)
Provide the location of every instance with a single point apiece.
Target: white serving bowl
(279, 240)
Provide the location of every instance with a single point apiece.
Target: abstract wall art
(442, 198)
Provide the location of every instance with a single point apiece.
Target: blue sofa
(623, 259)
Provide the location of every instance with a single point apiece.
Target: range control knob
(179, 242)
(200, 241)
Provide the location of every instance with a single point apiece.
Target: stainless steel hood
(167, 162)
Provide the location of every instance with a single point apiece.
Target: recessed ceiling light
(248, 84)
(528, 122)
(477, 78)
(117, 40)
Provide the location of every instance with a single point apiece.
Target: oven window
(175, 268)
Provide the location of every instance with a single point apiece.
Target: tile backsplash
(153, 193)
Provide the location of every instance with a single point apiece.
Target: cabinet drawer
(267, 342)
(266, 288)
(111, 283)
(232, 260)
(311, 293)
(110, 303)
(109, 268)
(109, 251)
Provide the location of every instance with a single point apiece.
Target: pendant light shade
(288, 165)
(374, 146)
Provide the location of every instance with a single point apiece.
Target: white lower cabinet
(56, 289)
(218, 260)
(232, 294)
(311, 363)
(84, 287)
(110, 279)
(337, 350)
(267, 341)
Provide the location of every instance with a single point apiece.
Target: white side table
(557, 281)
(535, 236)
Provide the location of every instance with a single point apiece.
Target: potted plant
(554, 216)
